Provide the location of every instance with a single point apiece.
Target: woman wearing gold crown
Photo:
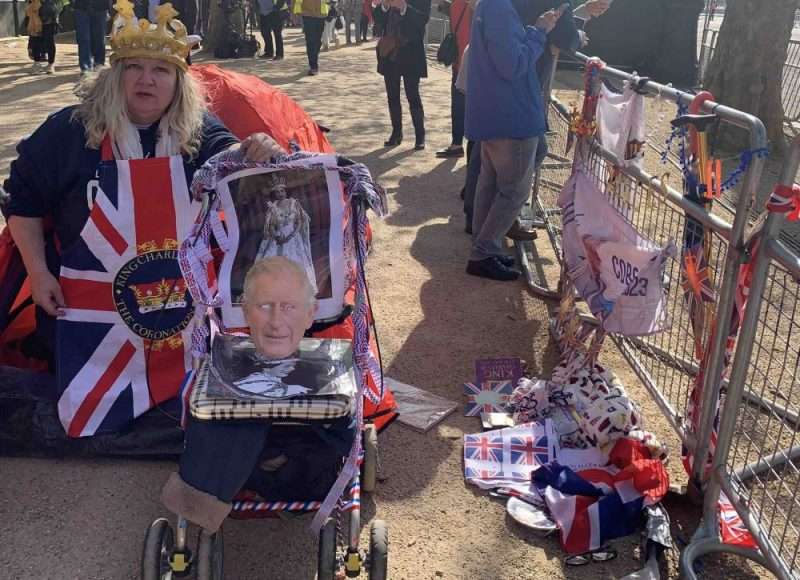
(143, 117)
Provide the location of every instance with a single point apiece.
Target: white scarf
(128, 145)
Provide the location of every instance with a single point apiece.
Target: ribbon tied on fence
(786, 199)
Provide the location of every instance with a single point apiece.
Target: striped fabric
(211, 408)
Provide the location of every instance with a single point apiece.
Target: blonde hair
(279, 266)
(103, 109)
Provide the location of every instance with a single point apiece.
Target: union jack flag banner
(505, 457)
(593, 506)
(123, 339)
(487, 397)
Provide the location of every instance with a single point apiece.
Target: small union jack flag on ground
(529, 450)
(487, 397)
(484, 447)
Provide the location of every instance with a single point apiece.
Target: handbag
(447, 54)
(387, 47)
(339, 24)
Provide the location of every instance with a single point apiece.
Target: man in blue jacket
(505, 113)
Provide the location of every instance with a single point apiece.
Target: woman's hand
(597, 8)
(260, 147)
(46, 293)
(548, 20)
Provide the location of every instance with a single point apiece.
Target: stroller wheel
(209, 556)
(369, 468)
(158, 545)
(326, 558)
(378, 550)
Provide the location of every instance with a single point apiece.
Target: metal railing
(664, 362)
(757, 458)
(758, 444)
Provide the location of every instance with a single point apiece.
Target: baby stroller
(328, 212)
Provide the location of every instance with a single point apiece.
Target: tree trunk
(225, 17)
(747, 67)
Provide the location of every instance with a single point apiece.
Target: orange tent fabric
(246, 105)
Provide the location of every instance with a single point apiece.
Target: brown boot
(517, 233)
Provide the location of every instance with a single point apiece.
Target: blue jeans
(504, 186)
(90, 32)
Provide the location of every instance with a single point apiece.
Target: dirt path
(85, 520)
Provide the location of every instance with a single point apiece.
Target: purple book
(494, 370)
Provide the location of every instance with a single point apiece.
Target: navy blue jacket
(504, 98)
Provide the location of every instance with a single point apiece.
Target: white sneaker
(49, 69)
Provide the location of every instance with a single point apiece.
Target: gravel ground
(86, 519)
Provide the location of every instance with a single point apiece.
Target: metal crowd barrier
(758, 446)
(664, 362)
(757, 459)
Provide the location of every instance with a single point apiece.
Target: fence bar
(738, 376)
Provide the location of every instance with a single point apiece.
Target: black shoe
(393, 140)
(277, 57)
(267, 55)
(492, 268)
(451, 151)
(419, 145)
(507, 261)
(312, 72)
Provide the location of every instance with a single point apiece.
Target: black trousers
(458, 111)
(312, 29)
(272, 26)
(411, 85)
(43, 47)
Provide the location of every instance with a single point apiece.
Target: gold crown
(139, 38)
(158, 295)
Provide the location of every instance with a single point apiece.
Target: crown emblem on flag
(159, 295)
(133, 37)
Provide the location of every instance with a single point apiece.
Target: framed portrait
(296, 212)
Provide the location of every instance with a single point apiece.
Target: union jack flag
(487, 397)
(529, 450)
(484, 447)
(123, 341)
(731, 526)
(482, 473)
(697, 291)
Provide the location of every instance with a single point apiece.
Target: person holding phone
(506, 114)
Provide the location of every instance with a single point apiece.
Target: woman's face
(149, 86)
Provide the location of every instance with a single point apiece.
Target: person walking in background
(188, 12)
(270, 21)
(351, 12)
(505, 113)
(33, 26)
(49, 14)
(90, 32)
(460, 15)
(401, 55)
(329, 35)
(314, 13)
(366, 20)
